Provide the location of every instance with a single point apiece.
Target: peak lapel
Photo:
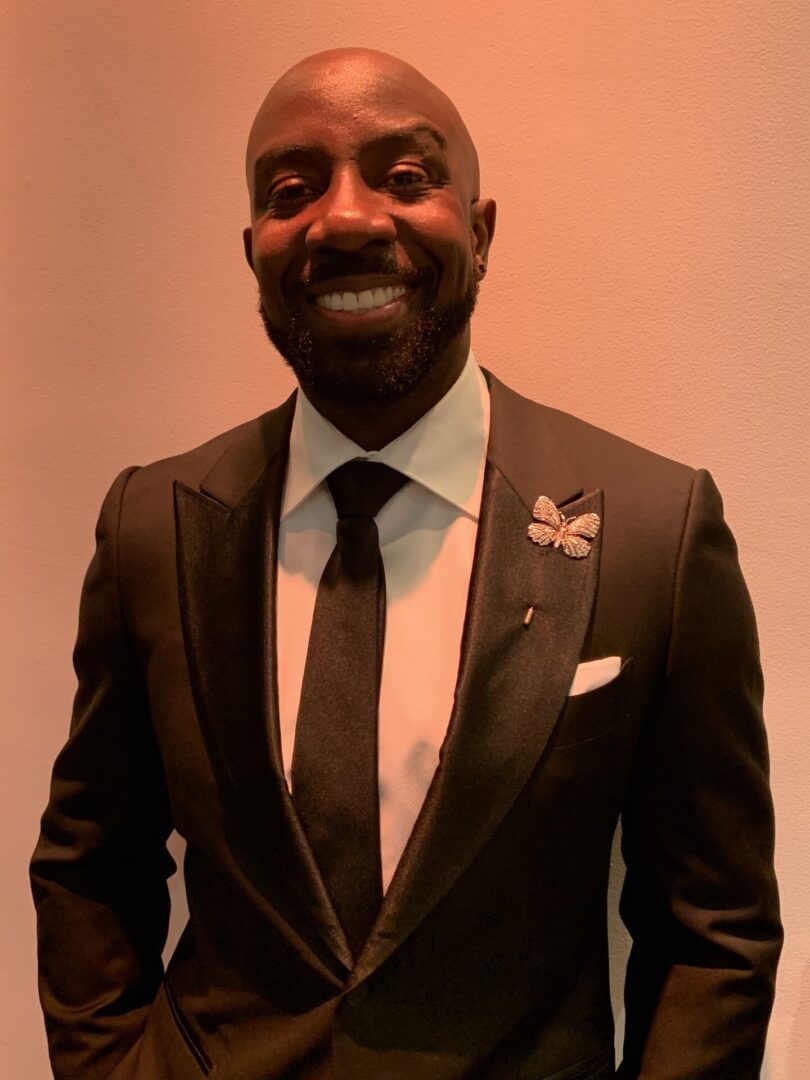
(227, 536)
(513, 679)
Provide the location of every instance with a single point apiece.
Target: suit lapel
(511, 686)
(227, 536)
(513, 679)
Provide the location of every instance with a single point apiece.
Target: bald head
(363, 177)
(356, 78)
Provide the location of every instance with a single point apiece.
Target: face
(366, 237)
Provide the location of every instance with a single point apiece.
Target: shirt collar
(443, 451)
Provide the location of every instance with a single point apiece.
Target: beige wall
(649, 273)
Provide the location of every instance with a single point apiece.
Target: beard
(372, 369)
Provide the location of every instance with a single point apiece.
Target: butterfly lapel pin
(572, 534)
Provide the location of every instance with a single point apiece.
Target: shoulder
(646, 496)
(253, 441)
(609, 457)
(190, 466)
(597, 457)
(144, 494)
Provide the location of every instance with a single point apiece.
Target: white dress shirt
(427, 539)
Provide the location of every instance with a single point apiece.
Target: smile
(357, 311)
(367, 300)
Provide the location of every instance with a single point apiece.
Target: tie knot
(362, 488)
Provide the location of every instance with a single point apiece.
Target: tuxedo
(489, 955)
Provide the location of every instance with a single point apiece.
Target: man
(396, 725)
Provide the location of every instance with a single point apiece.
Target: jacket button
(357, 996)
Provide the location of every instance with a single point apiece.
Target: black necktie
(334, 766)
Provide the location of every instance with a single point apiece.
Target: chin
(372, 369)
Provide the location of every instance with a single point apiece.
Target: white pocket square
(594, 673)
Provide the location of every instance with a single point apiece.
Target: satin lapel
(513, 679)
(227, 537)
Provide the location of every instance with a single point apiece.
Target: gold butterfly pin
(573, 534)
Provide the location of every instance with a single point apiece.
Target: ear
(482, 226)
(247, 237)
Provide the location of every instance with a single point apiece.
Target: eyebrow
(417, 134)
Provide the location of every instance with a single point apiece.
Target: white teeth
(363, 301)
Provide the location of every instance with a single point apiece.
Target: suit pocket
(204, 1063)
(595, 713)
(600, 1067)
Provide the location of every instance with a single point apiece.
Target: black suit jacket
(489, 957)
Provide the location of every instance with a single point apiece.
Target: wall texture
(649, 272)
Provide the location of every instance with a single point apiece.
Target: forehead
(342, 107)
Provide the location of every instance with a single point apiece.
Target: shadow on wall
(798, 1053)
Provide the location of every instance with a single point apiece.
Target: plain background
(649, 272)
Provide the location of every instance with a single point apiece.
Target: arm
(700, 897)
(99, 869)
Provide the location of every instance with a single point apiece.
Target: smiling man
(363, 177)
(394, 658)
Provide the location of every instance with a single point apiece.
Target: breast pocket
(596, 713)
(592, 1068)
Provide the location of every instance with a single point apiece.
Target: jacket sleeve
(99, 870)
(700, 897)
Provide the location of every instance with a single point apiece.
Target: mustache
(340, 266)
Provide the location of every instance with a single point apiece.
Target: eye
(410, 176)
(289, 191)
(286, 195)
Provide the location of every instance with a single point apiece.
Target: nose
(350, 215)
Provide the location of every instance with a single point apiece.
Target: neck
(374, 426)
